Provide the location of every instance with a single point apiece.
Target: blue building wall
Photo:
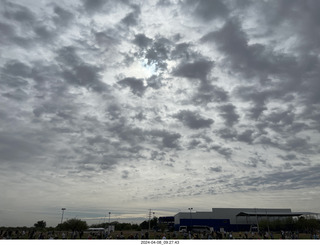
(215, 223)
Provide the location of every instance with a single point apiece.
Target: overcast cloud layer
(122, 106)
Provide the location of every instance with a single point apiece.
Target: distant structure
(232, 219)
(168, 222)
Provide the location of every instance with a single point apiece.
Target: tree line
(81, 225)
(302, 224)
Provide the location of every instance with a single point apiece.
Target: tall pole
(257, 220)
(109, 226)
(149, 218)
(190, 216)
(62, 214)
(268, 222)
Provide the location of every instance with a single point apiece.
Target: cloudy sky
(125, 106)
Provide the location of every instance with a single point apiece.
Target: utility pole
(190, 217)
(62, 214)
(149, 218)
(257, 220)
(268, 222)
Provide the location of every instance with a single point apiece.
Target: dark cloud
(44, 32)
(230, 39)
(227, 133)
(97, 140)
(142, 41)
(283, 118)
(93, 5)
(10, 36)
(76, 72)
(155, 82)
(258, 97)
(114, 111)
(17, 94)
(132, 18)
(229, 114)
(249, 60)
(206, 10)
(209, 93)
(7, 32)
(107, 39)
(284, 13)
(164, 3)
(206, 92)
(24, 146)
(193, 120)
(158, 53)
(194, 144)
(246, 136)
(289, 157)
(225, 151)
(19, 13)
(35, 30)
(195, 70)
(159, 156)
(136, 85)
(168, 139)
(140, 116)
(63, 16)
(86, 76)
(17, 68)
(292, 179)
(298, 144)
(216, 169)
(183, 51)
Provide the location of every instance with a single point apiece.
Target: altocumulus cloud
(132, 105)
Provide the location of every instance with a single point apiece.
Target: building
(231, 219)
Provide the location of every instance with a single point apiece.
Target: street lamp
(62, 214)
(109, 226)
(190, 216)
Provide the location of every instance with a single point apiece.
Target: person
(185, 235)
(164, 237)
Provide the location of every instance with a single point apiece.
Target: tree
(73, 225)
(153, 223)
(40, 224)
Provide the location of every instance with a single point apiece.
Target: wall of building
(225, 218)
(231, 213)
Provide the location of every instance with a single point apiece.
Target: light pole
(149, 219)
(268, 222)
(190, 216)
(62, 214)
(109, 226)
